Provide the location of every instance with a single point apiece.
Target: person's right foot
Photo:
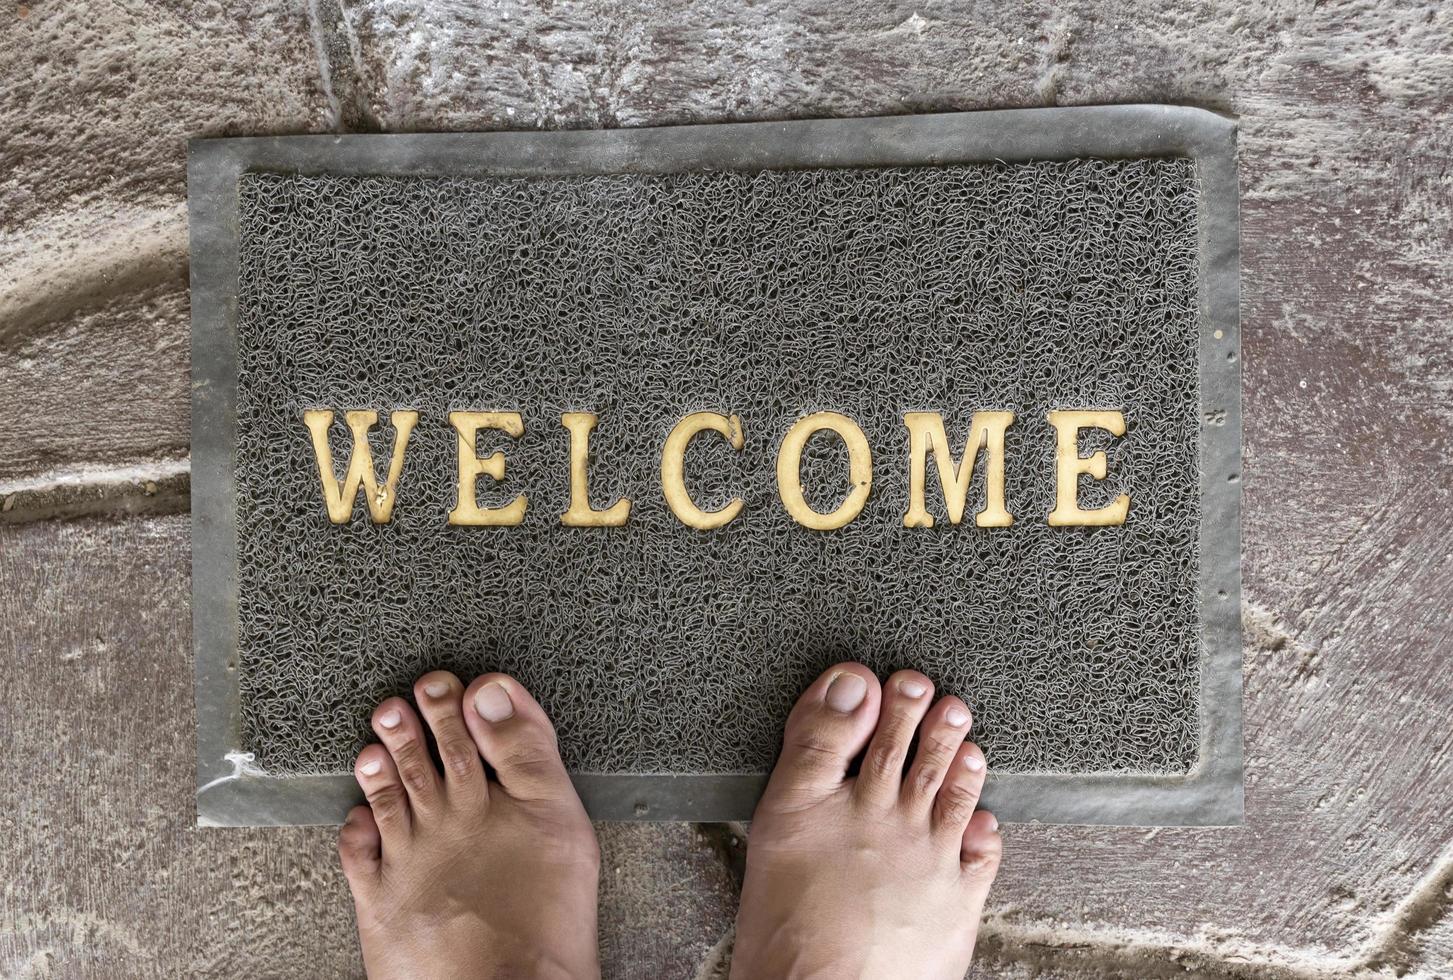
(878, 875)
(461, 876)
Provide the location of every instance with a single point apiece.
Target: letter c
(673, 458)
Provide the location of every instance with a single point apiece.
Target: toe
(403, 735)
(515, 736)
(359, 848)
(440, 698)
(939, 739)
(959, 794)
(827, 728)
(379, 778)
(906, 699)
(981, 847)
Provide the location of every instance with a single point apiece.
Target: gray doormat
(1027, 262)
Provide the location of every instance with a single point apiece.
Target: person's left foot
(456, 875)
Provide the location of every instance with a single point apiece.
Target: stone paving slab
(101, 387)
(104, 872)
(1347, 259)
(99, 100)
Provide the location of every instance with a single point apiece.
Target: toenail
(371, 767)
(973, 762)
(493, 702)
(912, 689)
(846, 692)
(957, 717)
(436, 689)
(993, 823)
(390, 719)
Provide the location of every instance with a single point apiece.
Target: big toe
(515, 736)
(828, 727)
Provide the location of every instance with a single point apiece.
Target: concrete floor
(1346, 863)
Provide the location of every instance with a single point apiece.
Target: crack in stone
(728, 841)
(1428, 903)
(1149, 958)
(149, 490)
(717, 963)
(325, 69)
(340, 68)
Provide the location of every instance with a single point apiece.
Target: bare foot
(456, 875)
(878, 875)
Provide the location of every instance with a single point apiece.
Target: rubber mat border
(231, 792)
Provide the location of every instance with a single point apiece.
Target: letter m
(926, 435)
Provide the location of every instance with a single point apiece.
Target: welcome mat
(666, 421)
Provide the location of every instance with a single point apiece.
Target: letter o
(789, 470)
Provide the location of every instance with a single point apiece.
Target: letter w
(340, 494)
